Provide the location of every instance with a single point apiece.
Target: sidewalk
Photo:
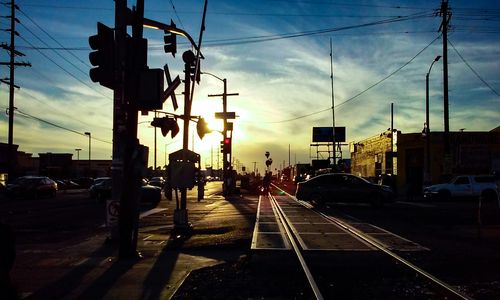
(222, 231)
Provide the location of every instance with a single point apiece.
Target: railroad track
(284, 223)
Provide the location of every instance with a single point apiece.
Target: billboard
(325, 134)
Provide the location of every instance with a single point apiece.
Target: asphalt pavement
(90, 269)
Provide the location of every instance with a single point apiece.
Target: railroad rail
(278, 227)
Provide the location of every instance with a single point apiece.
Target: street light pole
(78, 153)
(90, 151)
(427, 173)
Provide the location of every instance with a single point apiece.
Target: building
(54, 165)
(471, 153)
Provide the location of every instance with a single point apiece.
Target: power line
(362, 92)
(266, 38)
(59, 54)
(66, 71)
(159, 46)
(215, 12)
(54, 109)
(176, 14)
(24, 114)
(278, 36)
(334, 3)
(52, 38)
(472, 69)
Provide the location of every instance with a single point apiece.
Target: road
(460, 252)
(67, 218)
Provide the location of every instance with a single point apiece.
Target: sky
(276, 56)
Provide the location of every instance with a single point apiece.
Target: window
(483, 179)
(462, 180)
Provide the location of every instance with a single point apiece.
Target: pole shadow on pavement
(62, 287)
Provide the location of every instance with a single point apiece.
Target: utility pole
(78, 153)
(392, 138)
(154, 171)
(12, 158)
(289, 164)
(226, 154)
(333, 106)
(126, 149)
(444, 29)
(119, 123)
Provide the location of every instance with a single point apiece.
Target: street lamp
(427, 173)
(90, 151)
(78, 153)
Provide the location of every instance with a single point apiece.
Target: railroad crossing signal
(172, 85)
(103, 57)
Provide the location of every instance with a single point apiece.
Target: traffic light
(192, 72)
(202, 127)
(226, 145)
(190, 65)
(103, 57)
(170, 40)
(166, 124)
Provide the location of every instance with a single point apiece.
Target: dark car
(84, 182)
(102, 191)
(67, 185)
(157, 181)
(32, 186)
(341, 187)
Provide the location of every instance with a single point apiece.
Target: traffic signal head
(225, 145)
(195, 73)
(202, 127)
(170, 40)
(166, 124)
(103, 57)
(190, 65)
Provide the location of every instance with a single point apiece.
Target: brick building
(471, 153)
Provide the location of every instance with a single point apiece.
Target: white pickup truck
(483, 186)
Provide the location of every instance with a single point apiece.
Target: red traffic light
(227, 141)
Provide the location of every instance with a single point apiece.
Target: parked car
(67, 185)
(84, 182)
(464, 186)
(32, 186)
(157, 181)
(341, 187)
(102, 191)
